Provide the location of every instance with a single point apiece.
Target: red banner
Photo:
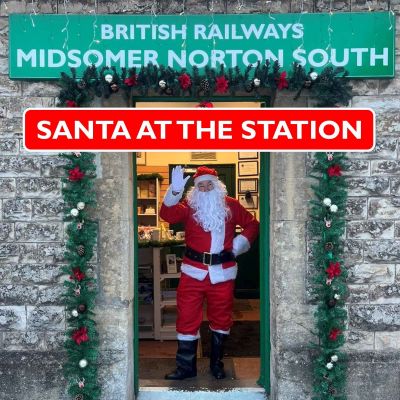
(257, 129)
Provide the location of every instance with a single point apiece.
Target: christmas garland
(330, 87)
(81, 341)
(327, 226)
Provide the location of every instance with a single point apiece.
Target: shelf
(170, 276)
(147, 198)
(167, 303)
(147, 215)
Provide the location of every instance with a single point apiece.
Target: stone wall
(32, 236)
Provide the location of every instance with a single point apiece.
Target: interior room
(161, 249)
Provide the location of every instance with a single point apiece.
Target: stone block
(389, 87)
(9, 252)
(29, 375)
(38, 187)
(385, 148)
(47, 209)
(259, 6)
(394, 186)
(28, 166)
(40, 88)
(357, 168)
(370, 229)
(54, 340)
(9, 87)
(115, 165)
(358, 340)
(364, 87)
(371, 273)
(15, 106)
(4, 64)
(17, 209)
(353, 251)
(12, 318)
(397, 230)
(356, 208)
(7, 187)
(18, 294)
(52, 166)
(386, 167)
(386, 341)
(368, 186)
(132, 7)
(382, 251)
(51, 252)
(358, 294)
(31, 273)
(375, 317)
(30, 340)
(44, 318)
(28, 253)
(385, 293)
(50, 295)
(6, 232)
(38, 232)
(11, 127)
(384, 208)
(8, 146)
(112, 198)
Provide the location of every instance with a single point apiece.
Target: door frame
(264, 207)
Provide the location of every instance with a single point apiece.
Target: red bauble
(334, 170)
(334, 333)
(80, 335)
(205, 104)
(282, 81)
(185, 81)
(333, 269)
(221, 84)
(131, 81)
(75, 174)
(71, 103)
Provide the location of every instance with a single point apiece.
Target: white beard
(210, 207)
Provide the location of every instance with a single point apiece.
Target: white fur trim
(193, 272)
(217, 273)
(171, 200)
(206, 177)
(181, 336)
(220, 331)
(217, 241)
(240, 245)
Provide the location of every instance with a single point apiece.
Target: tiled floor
(245, 369)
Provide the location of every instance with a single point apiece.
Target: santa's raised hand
(178, 181)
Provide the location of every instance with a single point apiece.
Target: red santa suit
(201, 281)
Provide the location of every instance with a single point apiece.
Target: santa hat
(205, 174)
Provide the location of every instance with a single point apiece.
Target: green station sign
(43, 46)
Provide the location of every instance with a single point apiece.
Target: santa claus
(209, 268)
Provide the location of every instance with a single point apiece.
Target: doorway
(247, 308)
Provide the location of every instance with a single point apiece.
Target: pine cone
(81, 308)
(81, 84)
(79, 397)
(80, 250)
(331, 390)
(331, 303)
(248, 86)
(205, 85)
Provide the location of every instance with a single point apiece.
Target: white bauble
(74, 212)
(327, 201)
(336, 296)
(162, 84)
(313, 76)
(80, 205)
(334, 358)
(333, 208)
(108, 78)
(83, 363)
(256, 82)
(329, 366)
(74, 313)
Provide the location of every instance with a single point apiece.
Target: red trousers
(191, 294)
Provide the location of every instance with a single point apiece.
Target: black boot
(186, 357)
(217, 353)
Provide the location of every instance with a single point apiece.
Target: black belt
(209, 258)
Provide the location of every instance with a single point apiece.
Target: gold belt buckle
(204, 258)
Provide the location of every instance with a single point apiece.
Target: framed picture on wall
(247, 155)
(247, 168)
(140, 158)
(248, 185)
(171, 263)
(249, 202)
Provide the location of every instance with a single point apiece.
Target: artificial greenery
(330, 88)
(162, 243)
(327, 227)
(80, 289)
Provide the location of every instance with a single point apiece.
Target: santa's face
(205, 186)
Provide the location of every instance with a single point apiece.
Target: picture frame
(249, 202)
(248, 185)
(247, 168)
(140, 158)
(171, 263)
(247, 155)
